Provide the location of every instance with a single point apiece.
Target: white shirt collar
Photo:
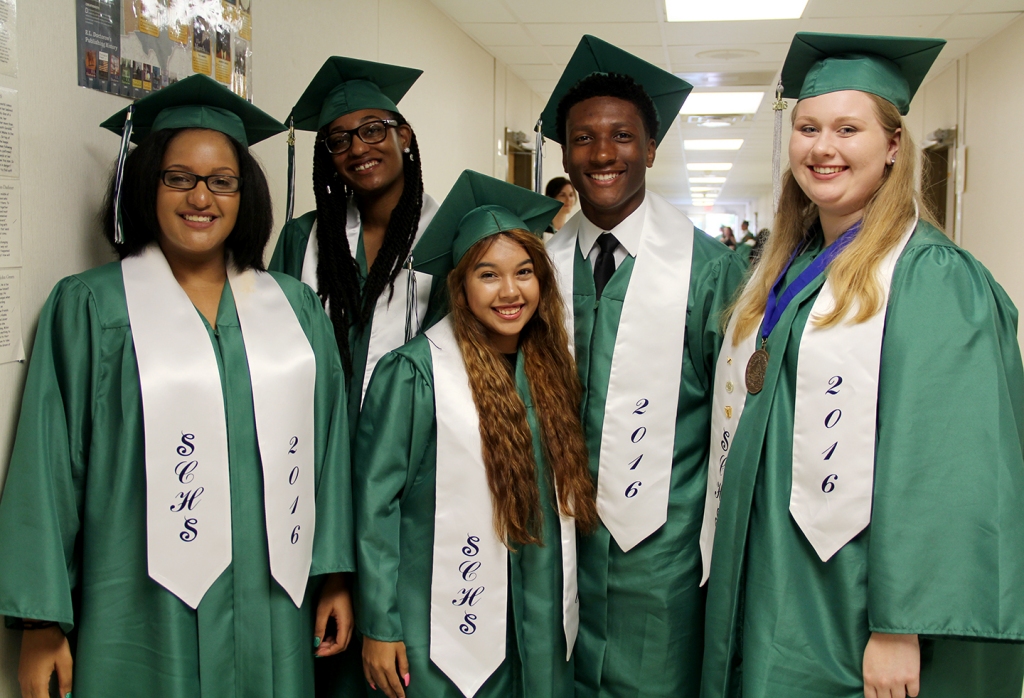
(627, 232)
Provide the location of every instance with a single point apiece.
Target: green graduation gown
(288, 258)
(642, 612)
(943, 556)
(73, 513)
(394, 494)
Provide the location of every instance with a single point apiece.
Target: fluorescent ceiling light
(714, 124)
(714, 144)
(709, 190)
(707, 103)
(709, 166)
(703, 202)
(707, 180)
(726, 10)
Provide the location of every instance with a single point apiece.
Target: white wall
(456, 108)
(980, 96)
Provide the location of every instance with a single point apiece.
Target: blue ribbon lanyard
(777, 304)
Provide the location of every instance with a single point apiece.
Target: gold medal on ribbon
(757, 366)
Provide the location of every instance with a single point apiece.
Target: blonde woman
(472, 465)
(869, 535)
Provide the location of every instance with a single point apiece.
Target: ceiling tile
(620, 34)
(995, 6)
(980, 26)
(461, 11)
(538, 72)
(499, 34)
(882, 9)
(730, 34)
(918, 25)
(709, 54)
(522, 55)
(544, 88)
(582, 11)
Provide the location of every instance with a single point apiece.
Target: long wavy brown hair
(887, 215)
(555, 388)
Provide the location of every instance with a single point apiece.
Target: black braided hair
(337, 273)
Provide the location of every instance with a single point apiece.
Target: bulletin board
(134, 47)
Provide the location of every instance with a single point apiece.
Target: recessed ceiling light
(722, 103)
(713, 144)
(707, 180)
(727, 10)
(709, 166)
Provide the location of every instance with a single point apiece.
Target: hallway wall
(980, 96)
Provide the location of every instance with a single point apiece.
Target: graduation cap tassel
(290, 205)
(126, 137)
(779, 106)
(412, 319)
(538, 154)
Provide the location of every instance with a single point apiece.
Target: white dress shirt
(627, 233)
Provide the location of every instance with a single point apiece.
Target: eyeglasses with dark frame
(337, 142)
(186, 181)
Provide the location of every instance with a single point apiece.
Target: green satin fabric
(943, 556)
(73, 513)
(288, 256)
(395, 487)
(642, 612)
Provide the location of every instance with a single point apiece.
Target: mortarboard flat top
(197, 102)
(593, 55)
(477, 207)
(891, 67)
(344, 85)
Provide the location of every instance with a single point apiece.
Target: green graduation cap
(891, 67)
(344, 85)
(477, 207)
(593, 55)
(196, 102)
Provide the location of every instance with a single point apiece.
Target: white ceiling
(535, 38)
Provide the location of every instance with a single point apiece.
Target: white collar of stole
(388, 330)
(834, 420)
(627, 232)
(638, 434)
(188, 487)
(469, 578)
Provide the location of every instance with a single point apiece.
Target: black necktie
(605, 265)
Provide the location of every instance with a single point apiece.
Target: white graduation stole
(188, 503)
(387, 331)
(638, 434)
(469, 578)
(834, 421)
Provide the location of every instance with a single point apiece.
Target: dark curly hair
(138, 202)
(337, 274)
(608, 85)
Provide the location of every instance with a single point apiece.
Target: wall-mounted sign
(134, 47)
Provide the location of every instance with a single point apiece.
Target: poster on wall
(134, 47)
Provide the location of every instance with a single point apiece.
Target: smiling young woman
(184, 553)
(867, 534)
(371, 209)
(473, 471)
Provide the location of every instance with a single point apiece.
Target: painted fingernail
(316, 641)
(405, 680)
(373, 685)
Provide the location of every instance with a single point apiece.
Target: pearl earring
(406, 150)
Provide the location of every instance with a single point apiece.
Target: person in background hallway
(471, 467)
(645, 289)
(747, 236)
(181, 549)
(561, 188)
(869, 416)
(728, 237)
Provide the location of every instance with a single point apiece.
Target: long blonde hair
(506, 438)
(889, 211)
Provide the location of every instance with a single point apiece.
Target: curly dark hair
(608, 85)
(138, 202)
(337, 274)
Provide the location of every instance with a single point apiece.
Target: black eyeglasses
(216, 183)
(337, 142)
